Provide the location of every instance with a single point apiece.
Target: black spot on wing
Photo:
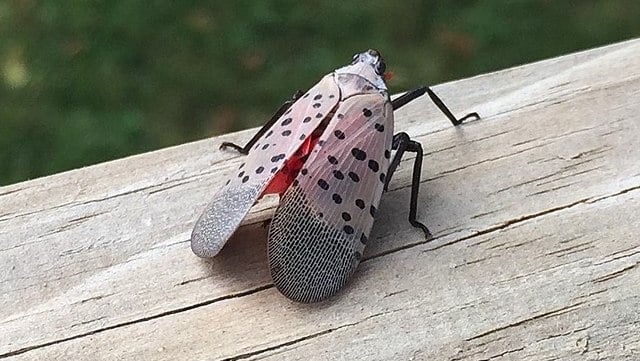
(359, 154)
(323, 184)
(373, 165)
(277, 158)
(286, 122)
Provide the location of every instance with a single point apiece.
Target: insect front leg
(283, 108)
(413, 94)
(403, 143)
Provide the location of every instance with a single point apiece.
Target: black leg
(283, 108)
(402, 143)
(411, 95)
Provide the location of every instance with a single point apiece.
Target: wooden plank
(535, 257)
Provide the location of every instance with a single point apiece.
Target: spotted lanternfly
(328, 154)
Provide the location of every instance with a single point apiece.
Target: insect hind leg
(413, 94)
(283, 108)
(403, 143)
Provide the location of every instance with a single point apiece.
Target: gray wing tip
(309, 259)
(203, 246)
(221, 219)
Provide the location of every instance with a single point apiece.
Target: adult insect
(328, 153)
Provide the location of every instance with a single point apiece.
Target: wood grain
(535, 209)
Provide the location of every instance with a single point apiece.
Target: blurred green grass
(88, 81)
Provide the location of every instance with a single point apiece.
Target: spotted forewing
(322, 224)
(232, 203)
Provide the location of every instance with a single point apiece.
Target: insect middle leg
(403, 143)
(413, 94)
(283, 108)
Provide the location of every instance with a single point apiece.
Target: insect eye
(381, 67)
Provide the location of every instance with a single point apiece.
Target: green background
(87, 81)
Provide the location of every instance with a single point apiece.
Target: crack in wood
(549, 190)
(568, 175)
(543, 315)
(564, 334)
(305, 338)
(138, 320)
(426, 154)
(489, 136)
(86, 322)
(524, 275)
(162, 189)
(478, 260)
(479, 215)
(5, 193)
(503, 354)
(488, 160)
(568, 250)
(395, 293)
(94, 298)
(72, 223)
(193, 280)
(618, 255)
(593, 293)
(524, 142)
(615, 274)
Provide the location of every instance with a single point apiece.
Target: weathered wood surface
(535, 209)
